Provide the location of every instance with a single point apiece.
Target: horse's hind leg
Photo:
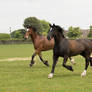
(87, 59)
(91, 62)
(66, 66)
(45, 62)
(32, 61)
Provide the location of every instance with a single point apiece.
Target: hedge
(4, 36)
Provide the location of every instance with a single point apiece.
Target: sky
(66, 13)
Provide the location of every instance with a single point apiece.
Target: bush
(90, 33)
(74, 32)
(4, 36)
(19, 34)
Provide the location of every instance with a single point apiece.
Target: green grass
(9, 51)
(17, 76)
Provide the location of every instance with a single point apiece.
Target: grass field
(17, 76)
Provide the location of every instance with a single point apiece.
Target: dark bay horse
(66, 48)
(41, 43)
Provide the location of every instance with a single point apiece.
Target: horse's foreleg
(53, 66)
(45, 62)
(32, 60)
(66, 66)
(86, 66)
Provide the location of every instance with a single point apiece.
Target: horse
(41, 43)
(66, 48)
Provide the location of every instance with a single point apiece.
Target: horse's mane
(60, 29)
(35, 30)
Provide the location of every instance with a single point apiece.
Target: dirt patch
(16, 59)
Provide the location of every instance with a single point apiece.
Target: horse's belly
(75, 53)
(60, 53)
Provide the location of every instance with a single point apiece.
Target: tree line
(42, 27)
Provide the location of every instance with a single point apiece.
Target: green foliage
(4, 36)
(90, 33)
(45, 26)
(32, 21)
(40, 25)
(74, 32)
(18, 33)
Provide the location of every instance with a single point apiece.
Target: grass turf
(17, 76)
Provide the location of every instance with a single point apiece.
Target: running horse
(67, 48)
(41, 43)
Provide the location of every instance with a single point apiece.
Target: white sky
(61, 12)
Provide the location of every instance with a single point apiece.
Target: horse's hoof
(50, 76)
(46, 63)
(83, 74)
(70, 68)
(30, 65)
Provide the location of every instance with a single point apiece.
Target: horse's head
(54, 31)
(28, 32)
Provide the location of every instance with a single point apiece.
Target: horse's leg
(55, 58)
(66, 66)
(87, 59)
(32, 61)
(45, 62)
(91, 62)
(72, 60)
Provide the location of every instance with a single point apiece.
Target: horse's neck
(34, 37)
(58, 39)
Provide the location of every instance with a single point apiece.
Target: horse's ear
(53, 25)
(50, 25)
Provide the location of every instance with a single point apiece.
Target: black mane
(59, 29)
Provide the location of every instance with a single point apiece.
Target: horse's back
(80, 45)
(86, 42)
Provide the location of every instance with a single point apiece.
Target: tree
(90, 33)
(18, 33)
(4, 36)
(74, 32)
(32, 22)
(45, 26)
(41, 26)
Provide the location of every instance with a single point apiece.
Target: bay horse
(67, 48)
(41, 43)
